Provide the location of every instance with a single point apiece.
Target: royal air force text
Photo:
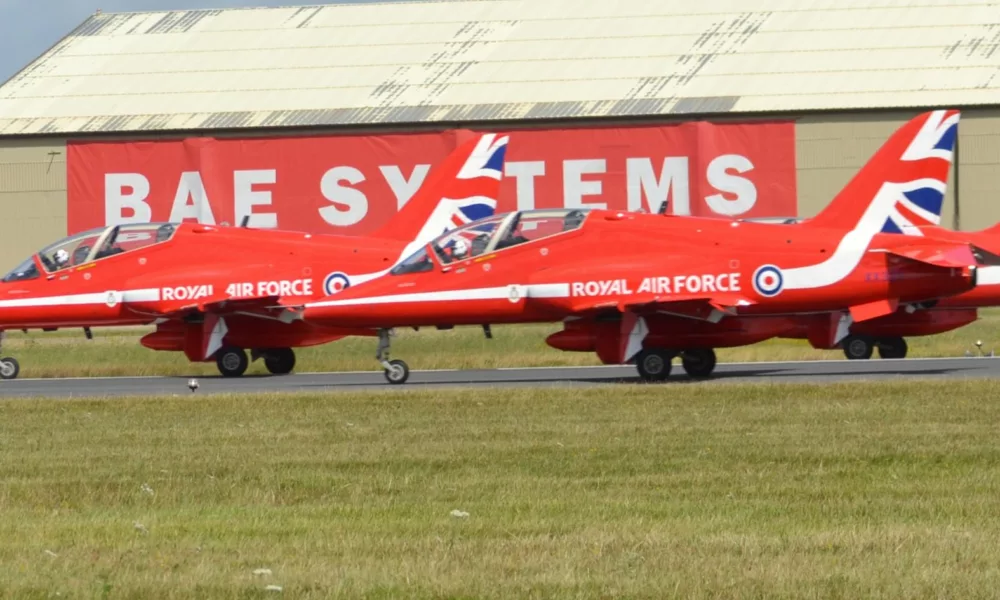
(678, 284)
(259, 289)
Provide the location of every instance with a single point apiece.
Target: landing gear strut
(396, 371)
(9, 368)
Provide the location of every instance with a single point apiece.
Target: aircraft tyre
(280, 361)
(698, 364)
(858, 347)
(232, 361)
(654, 364)
(398, 372)
(9, 368)
(894, 347)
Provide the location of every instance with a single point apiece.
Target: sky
(30, 27)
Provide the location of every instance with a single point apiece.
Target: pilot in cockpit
(61, 257)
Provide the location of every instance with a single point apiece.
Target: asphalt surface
(790, 372)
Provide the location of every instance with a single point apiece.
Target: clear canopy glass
(91, 245)
(492, 234)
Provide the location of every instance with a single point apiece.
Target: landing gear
(894, 347)
(279, 361)
(232, 361)
(396, 371)
(858, 347)
(654, 364)
(698, 364)
(9, 368)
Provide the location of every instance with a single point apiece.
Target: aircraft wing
(710, 307)
(260, 306)
(940, 254)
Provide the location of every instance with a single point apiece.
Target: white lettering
(575, 188)
(672, 184)
(678, 283)
(186, 292)
(577, 288)
(720, 178)
(355, 200)
(734, 282)
(402, 187)
(116, 199)
(693, 284)
(524, 173)
(191, 187)
(247, 197)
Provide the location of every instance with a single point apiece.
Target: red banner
(353, 184)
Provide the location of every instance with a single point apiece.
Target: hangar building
(846, 72)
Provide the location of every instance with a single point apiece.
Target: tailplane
(463, 188)
(901, 189)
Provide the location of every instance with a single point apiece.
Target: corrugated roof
(501, 60)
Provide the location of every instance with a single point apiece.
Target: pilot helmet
(62, 257)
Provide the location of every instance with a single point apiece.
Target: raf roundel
(768, 281)
(336, 282)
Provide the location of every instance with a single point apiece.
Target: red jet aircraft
(918, 214)
(651, 287)
(213, 291)
(888, 334)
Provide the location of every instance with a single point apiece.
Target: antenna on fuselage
(245, 221)
(663, 207)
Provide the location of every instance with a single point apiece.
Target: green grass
(886, 490)
(117, 351)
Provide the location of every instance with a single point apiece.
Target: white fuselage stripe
(546, 290)
(127, 296)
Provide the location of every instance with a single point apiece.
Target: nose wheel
(9, 368)
(396, 370)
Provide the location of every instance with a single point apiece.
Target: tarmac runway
(726, 373)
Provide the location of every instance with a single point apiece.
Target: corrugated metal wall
(32, 196)
(830, 149)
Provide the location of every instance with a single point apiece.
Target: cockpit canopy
(494, 233)
(92, 245)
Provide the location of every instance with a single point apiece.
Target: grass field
(117, 352)
(885, 490)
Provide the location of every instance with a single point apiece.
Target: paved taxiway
(791, 372)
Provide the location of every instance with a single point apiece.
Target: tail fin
(902, 187)
(463, 188)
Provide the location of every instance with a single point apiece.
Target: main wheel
(698, 364)
(858, 347)
(232, 361)
(280, 361)
(654, 364)
(894, 347)
(398, 372)
(9, 368)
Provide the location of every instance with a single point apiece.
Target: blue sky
(27, 29)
